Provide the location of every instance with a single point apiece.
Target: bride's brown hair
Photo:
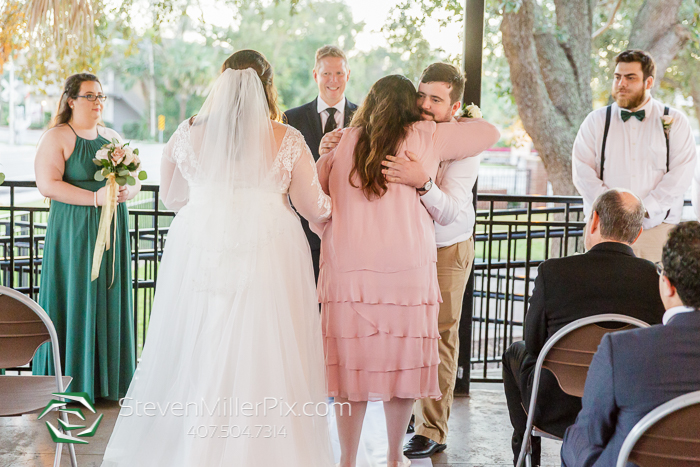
(251, 59)
(383, 120)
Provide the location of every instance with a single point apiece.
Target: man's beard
(630, 101)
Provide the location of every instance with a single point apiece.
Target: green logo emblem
(66, 435)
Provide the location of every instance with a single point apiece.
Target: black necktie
(330, 123)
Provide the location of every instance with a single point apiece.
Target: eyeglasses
(659, 268)
(93, 97)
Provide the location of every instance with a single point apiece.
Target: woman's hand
(123, 194)
(330, 140)
(101, 196)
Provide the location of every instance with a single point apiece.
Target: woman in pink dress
(378, 280)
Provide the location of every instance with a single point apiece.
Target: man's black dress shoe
(420, 447)
(411, 425)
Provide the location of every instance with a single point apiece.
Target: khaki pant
(454, 263)
(650, 244)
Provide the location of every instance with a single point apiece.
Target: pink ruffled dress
(378, 279)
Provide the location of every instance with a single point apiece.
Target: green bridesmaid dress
(94, 321)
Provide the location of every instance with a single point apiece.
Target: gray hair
(618, 221)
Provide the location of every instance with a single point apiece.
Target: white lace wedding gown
(235, 322)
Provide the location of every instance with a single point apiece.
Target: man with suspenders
(638, 144)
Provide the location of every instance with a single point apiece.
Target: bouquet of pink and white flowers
(118, 162)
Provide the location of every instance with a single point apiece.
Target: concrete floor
(479, 436)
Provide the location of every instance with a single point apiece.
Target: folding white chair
(668, 436)
(568, 354)
(24, 326)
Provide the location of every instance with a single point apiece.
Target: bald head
(620, 214)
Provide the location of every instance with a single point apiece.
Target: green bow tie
(639, 114)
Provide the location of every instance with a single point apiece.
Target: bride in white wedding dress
(232, 369)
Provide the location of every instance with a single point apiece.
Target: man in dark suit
(329, 111)
(606, 279)
(635, 371)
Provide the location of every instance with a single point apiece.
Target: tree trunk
(658, 30)
(551, 80)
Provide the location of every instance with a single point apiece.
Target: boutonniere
(667, 121)
(471, 111)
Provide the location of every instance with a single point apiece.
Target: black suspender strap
(608, 114)
(668, 146)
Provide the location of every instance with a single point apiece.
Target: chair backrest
(569, 352)
(570, 357)
(668, 436)
(22, 330)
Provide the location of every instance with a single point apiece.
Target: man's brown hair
(446, 73)
(641, 57)
(329, 51)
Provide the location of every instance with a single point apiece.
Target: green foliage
(135, 130)
(404, 33)
(289, 42)
(184, 69)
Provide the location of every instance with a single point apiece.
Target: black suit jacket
(606, 279)
(632, 373)
(307, 120)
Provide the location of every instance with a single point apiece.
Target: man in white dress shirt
(639, 144)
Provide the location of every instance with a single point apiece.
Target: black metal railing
(513, 235)
(23, 222)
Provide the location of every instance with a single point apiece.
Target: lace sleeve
(177, 168)
(304, 189)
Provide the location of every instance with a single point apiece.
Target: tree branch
(611, 20)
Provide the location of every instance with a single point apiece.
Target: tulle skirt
(232, 371)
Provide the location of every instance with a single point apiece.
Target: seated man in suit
(608, 278)
(330, 110)
(635, 371)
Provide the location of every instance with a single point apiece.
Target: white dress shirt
(635, 159)
(321, 106)
(449, 201)
(676, 310)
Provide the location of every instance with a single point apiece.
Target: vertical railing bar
(31, 255)
(528, 253)
(566, 229)
(136, 280)
(489, 262)
(12, 237)
(508, 297)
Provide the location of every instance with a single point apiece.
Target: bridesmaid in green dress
(94, 320)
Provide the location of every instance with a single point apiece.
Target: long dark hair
(383, 120)
(71, 90)
(252, 59)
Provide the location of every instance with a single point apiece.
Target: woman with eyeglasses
(93, 319)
